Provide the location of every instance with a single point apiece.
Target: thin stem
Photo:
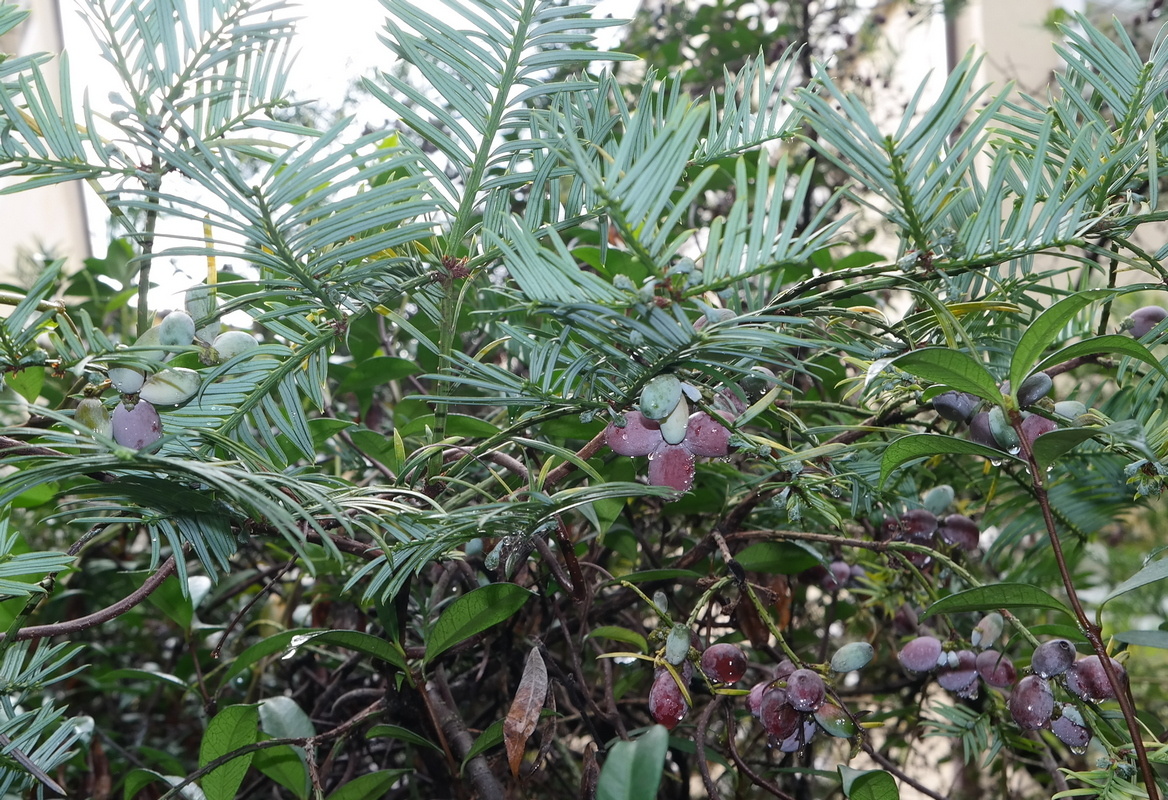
(152, 183)
(889, 765)
(1092, 631)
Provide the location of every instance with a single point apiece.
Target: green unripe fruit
(674, 427)
(852, 656)
(93, 415)
(177, 330)
(233, 343)
(126, 380)
(835, 721)
(1069, 408)
(677, 645)
(150, 338)
(660, 397)
(170, 387)
(1006, 437)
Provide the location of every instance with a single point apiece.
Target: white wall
(50, 219)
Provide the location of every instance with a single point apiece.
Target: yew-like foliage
(561, 442)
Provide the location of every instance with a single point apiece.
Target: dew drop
(997, 462)
(1078, 750)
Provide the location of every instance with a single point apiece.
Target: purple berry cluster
(992, 429)
(962, 671)
(1033, 705)
(792, 704)
(921, 526)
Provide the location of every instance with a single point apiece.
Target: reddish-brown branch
(98, 617)
(15, 447)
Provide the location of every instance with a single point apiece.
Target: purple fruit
(724, 663)
(666, 702)
(136, 426)
(979, 431)
(921, 654)
(639, 436)
(672, 467)
(1032, 703)
(1034, 426)
(918, 525)
(960, 678)
(995, 669)
(837, 576)
(800, 738)
(777, 716)
(784, 669)
(754, 699)
(1146, 318)
(805, 690)
(956, 406)
(1070, 728)
(1052, 658)
(1087, 679)
(705, 436)
(960, 530)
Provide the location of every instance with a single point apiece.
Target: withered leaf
(524, 713)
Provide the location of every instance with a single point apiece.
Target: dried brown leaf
(524, 713)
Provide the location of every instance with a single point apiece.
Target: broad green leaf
(36, 496)
(650, 575)
(402, 734)
(376, 445)
(1151, 573)
(277, 643)
(952, 368)
(1049, 446)
(366, 643)
(999, 595)
(473, 613)
(868, 784)
(632, 770)
(232, 728)
(324, 428)
(140, 778)
(456, 425)
(172, 601)
(1158, 639)
(1111, 343)
(145, 675)
(27, 382)
(377, 371)
(282, 718)
(286, 766)
(1042, 332)
(373, 786)
(492, 736)
(619, 634)
(923, 445)
(778, 558)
